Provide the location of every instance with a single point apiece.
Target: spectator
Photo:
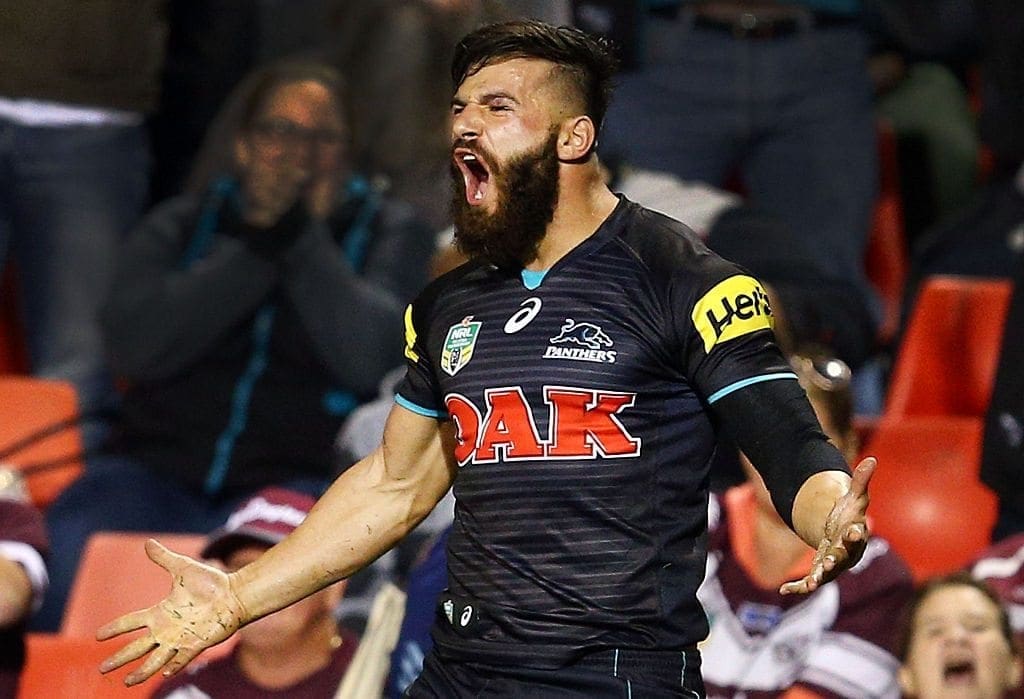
(958, 642)
(77, 81)
(397, 53)
(23, 577)
(248, 317)
(835, 643)
(1001, 567)
(298, 653)
(921, 54)
(776, 93)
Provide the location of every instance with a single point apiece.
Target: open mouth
(958, 672)
(475, 174)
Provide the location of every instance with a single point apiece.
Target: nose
(467, 123)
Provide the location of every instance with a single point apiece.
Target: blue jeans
(119, 494)
(68, 196)
(792, 115)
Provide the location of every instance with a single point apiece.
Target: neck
(284, 664)
(584, 202)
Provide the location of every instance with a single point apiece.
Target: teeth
(469, 157)
(478, 195)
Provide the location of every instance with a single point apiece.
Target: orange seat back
(27, 407)
(115, 576)
(947, 359)
(926, 496)
(57, 666)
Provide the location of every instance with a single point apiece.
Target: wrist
(815, 501)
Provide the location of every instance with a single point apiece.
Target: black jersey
(580, 398)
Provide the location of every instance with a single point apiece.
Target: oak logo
(582, 424)
(731, 309)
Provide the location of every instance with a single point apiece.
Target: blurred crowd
(213, 215)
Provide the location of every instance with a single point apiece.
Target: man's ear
(576, 138)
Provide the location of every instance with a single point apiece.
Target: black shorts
(624, 674)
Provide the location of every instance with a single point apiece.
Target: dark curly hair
(586, 61)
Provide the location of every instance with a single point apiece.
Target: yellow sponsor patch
(732, 308)
(410, 335)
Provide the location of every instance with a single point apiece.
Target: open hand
(200, 611)
(845, 537)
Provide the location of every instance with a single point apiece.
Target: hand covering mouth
(475, 174)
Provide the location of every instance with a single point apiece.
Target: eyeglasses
(826, 373)
(281, 133)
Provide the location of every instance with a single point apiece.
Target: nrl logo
(585, 342)
(458, 345)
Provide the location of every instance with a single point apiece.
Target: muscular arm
(363, 514)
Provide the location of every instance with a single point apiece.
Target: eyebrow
(485, 98)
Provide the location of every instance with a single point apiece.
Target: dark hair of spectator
(244, 105)
(587, 61)
(941, 582)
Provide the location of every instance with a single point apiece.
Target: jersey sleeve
(419, 391)
(724, 324)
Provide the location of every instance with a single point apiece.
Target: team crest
(458, 345)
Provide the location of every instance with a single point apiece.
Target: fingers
(858, 531)
(133, 651)
(862, 476)
(156, 660)
(160, 554)
(123, 624)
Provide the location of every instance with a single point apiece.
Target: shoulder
(466, 276)
(1002, 567)
(673, 256)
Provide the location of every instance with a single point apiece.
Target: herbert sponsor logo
(582, 342)
(731, 309)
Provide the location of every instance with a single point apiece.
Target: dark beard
(527, 193)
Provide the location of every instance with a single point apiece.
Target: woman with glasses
(248, 317)
(838, 641)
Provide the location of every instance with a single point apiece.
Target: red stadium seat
(926, 495)
(946, 361)
(27, 407)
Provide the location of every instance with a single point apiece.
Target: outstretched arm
(808, 478)
(363, 514)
